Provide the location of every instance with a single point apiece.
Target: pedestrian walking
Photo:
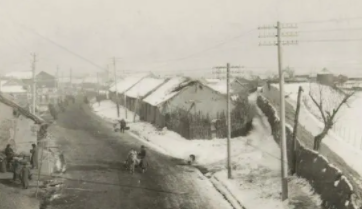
(16, 169)
(34, 157)
(25, 176)
(62, 162)
(123, 125)
(9, 153)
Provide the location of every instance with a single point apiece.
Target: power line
(332, 40)
(58, 45)
(330, 20)
(207, 49)
(330, 30)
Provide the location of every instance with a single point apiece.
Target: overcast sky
(171, 36)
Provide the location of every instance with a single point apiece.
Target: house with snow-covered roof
(16, 90)
(123, 85)
(194, 97)
(141, 90)
(153, 104)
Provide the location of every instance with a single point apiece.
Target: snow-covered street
(255, 159)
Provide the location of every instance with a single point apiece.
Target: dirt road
(96, 179)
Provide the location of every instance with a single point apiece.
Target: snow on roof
(143, 87)
(220, 86)
(90, 79)
(20, 75)
(212, 80)
(164, 92)
(126, 83)
(12, 89)
(324, 71)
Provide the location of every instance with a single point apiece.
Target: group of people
(21, 168)
(141, 155)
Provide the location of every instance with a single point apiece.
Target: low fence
(327, 180)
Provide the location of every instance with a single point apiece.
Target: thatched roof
(23, 111)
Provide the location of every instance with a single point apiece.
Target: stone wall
(327, 180)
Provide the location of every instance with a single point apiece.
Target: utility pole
(70, 78)
(98, 86)
(116, 85)
(33, 84)
(283, 140)
(228, 67)
(57, 74)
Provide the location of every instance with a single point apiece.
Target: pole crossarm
(231, 67)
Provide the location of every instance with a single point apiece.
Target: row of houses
(192, 103)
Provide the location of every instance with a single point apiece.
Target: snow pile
(164, 92)
(143, 87)
(255, 162)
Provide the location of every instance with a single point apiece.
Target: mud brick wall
(327, 180)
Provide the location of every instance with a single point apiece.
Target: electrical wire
(205, 50)
(58, 45)
(330, 30)
(330, 20)
(331, 40)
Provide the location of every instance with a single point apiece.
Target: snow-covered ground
(349, 117)
(256, 179)
(346, 151)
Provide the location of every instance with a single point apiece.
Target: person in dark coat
(25, 175)
(63, 162)
(142, 155)
(16, 169)
(123, 125)
(9, 153)
(34, 157)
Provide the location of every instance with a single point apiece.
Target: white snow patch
(336, 183)
(164, 93)
(339, 146)
(143, 87)
(126, 83)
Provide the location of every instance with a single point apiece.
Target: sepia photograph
(169, 104)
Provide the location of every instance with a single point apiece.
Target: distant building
(325, 77)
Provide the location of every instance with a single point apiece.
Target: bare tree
(289, 71)
(328, 109)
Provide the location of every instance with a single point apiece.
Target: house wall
(326, 79)
(207, 101)
(16, 131)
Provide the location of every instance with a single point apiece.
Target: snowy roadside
(256, 162)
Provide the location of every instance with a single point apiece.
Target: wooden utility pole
(283, 140)
(70, 77)
(57, 74)
(98, 86)
(228, 67)
(33, 85)
(116, 85)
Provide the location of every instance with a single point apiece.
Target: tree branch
(344, 101)
(319, 105)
